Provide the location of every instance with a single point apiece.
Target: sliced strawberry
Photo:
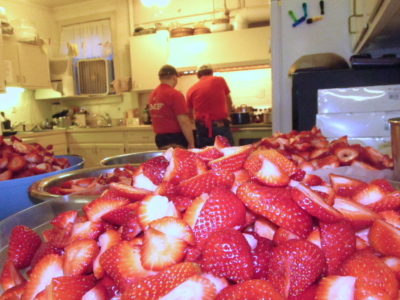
(294, 266)
(195, 287)
(130, 192)
(181, 202)
(14, 293)
(345, 186)
(221, 142)
(374, 278)
(270, 167)
(131, 229)
(276, 205)
(327, 162)
(384, 184)
(233, 159)
(311, 180)
(338, 241)
(45, 249)
(336, 287)
(58, 237)
(71, 287)
(63, 219)
(226, 253)
(23, 244)
(45, 270)
(359, 215)
(373, 156)
(385, 238)
(392, 217)
(105, 241)
(375, 198)
(241, 176)
(283, 235)
(315, 237)
(155, 168)
(20, 147)
(155, 207)
(250, 289)
(307, 294)
(174, 227)
(86, 230)
(122, 263)
(217, 210)
(161, 250)
(98, 292)
(16, 163)
(182, 165)
(205, 182)
(209, 153)
(346, 154)
(101, 206)
(121, 214)
(79, 256)
(6, 175)
(393, 263)
(265, 228)
(10, 276)
(157, 286)
(261, 256)
(311, 202)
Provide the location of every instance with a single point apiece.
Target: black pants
(166, 139)
(218, 128)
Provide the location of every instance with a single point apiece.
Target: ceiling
(54, 3)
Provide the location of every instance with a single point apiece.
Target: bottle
(147, 116)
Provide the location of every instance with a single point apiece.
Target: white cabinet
(148, 54)
(374, 23)
(26, 65)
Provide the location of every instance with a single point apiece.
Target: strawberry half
(154, 207)
(10, 276)
(338, 242)
(195, 287)
(182, 165)
(226, 253)
(156, 286)
(79, 256)
(205, 182)
(233, 159)
(385, 238)
(23, 244)
(336, 287)
(63, 219)
(311, 202)
(105, 241)
(374, 278)
(376, 198)
(71, 287)
(217, 210)
(276, 205)
(250, 289)
(101, 206)
(345, 186)
(130, 192)
(155, 168)
(294, 266)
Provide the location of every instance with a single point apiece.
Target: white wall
(289, 44)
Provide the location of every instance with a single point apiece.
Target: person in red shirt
(169, 112)
(209, 103)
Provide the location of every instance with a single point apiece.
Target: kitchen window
(87, 40)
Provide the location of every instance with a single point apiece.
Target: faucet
(20, 124)
(106, 119)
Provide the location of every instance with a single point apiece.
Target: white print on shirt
(156, 106)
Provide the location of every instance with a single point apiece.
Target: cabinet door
(34, 66)
(134, 148)
(148, 54)
(107, 150)
(87, 151)
(2, 69)
(11, 62)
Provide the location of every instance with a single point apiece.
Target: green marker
(293, 16)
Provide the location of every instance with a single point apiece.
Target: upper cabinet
(221, 49)
(374, 24)
(26, 65)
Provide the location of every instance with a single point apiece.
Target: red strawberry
(86, 230)
(156, 286)
(122, 214)
(101, 206)
(155, 168)
(346, 154)
(10, 276)
(309, 293)
(63, 219)
(270, 167)
(359, 215)
(330, 161)
(250, 289)
(154, 207)
(22, 246)
(221, 142)
(98, 292)
(131, 229)
(217, 210)
(233, 159)
(276, 205)
(182, 165)
(373, 156)
(79, 256)
(58, 237)
(384, 184)
(226, 253)
(181, 202)
(14, 293)
(130, 192)
(261, 256)
(282, 235)
(122, 263)
(105, 241)
(336, 287)
(375, 198)
(205, 182)
(385, 238)
(392, 217)
(375, 280)
(311, 180)
(71, 287)
(393, 263)
(44, 271)
(195, 287)
(338, 241)
(294, 266)
(345, 186)
(16, 163)
(6, 175)
(241, 177)
(209, 153)
(311, 202)
(45, 249)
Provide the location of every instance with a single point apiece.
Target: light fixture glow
(158, 3)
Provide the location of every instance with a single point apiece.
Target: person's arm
(186, 127)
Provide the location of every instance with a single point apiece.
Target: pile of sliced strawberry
(221, 222)
(19, 159)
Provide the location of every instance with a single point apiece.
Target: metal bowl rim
(104, 160)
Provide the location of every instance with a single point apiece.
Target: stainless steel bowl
(38, 191)
(130, 158)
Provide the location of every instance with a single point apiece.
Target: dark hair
(167, 71)
(205, 72)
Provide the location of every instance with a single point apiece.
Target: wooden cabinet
(94, 153)
(148, 54)
(2, 70)
(57, 139)
(26, 65)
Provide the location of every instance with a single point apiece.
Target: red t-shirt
(208, 97)
(165, 103)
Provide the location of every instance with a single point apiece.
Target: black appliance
(306, 84)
